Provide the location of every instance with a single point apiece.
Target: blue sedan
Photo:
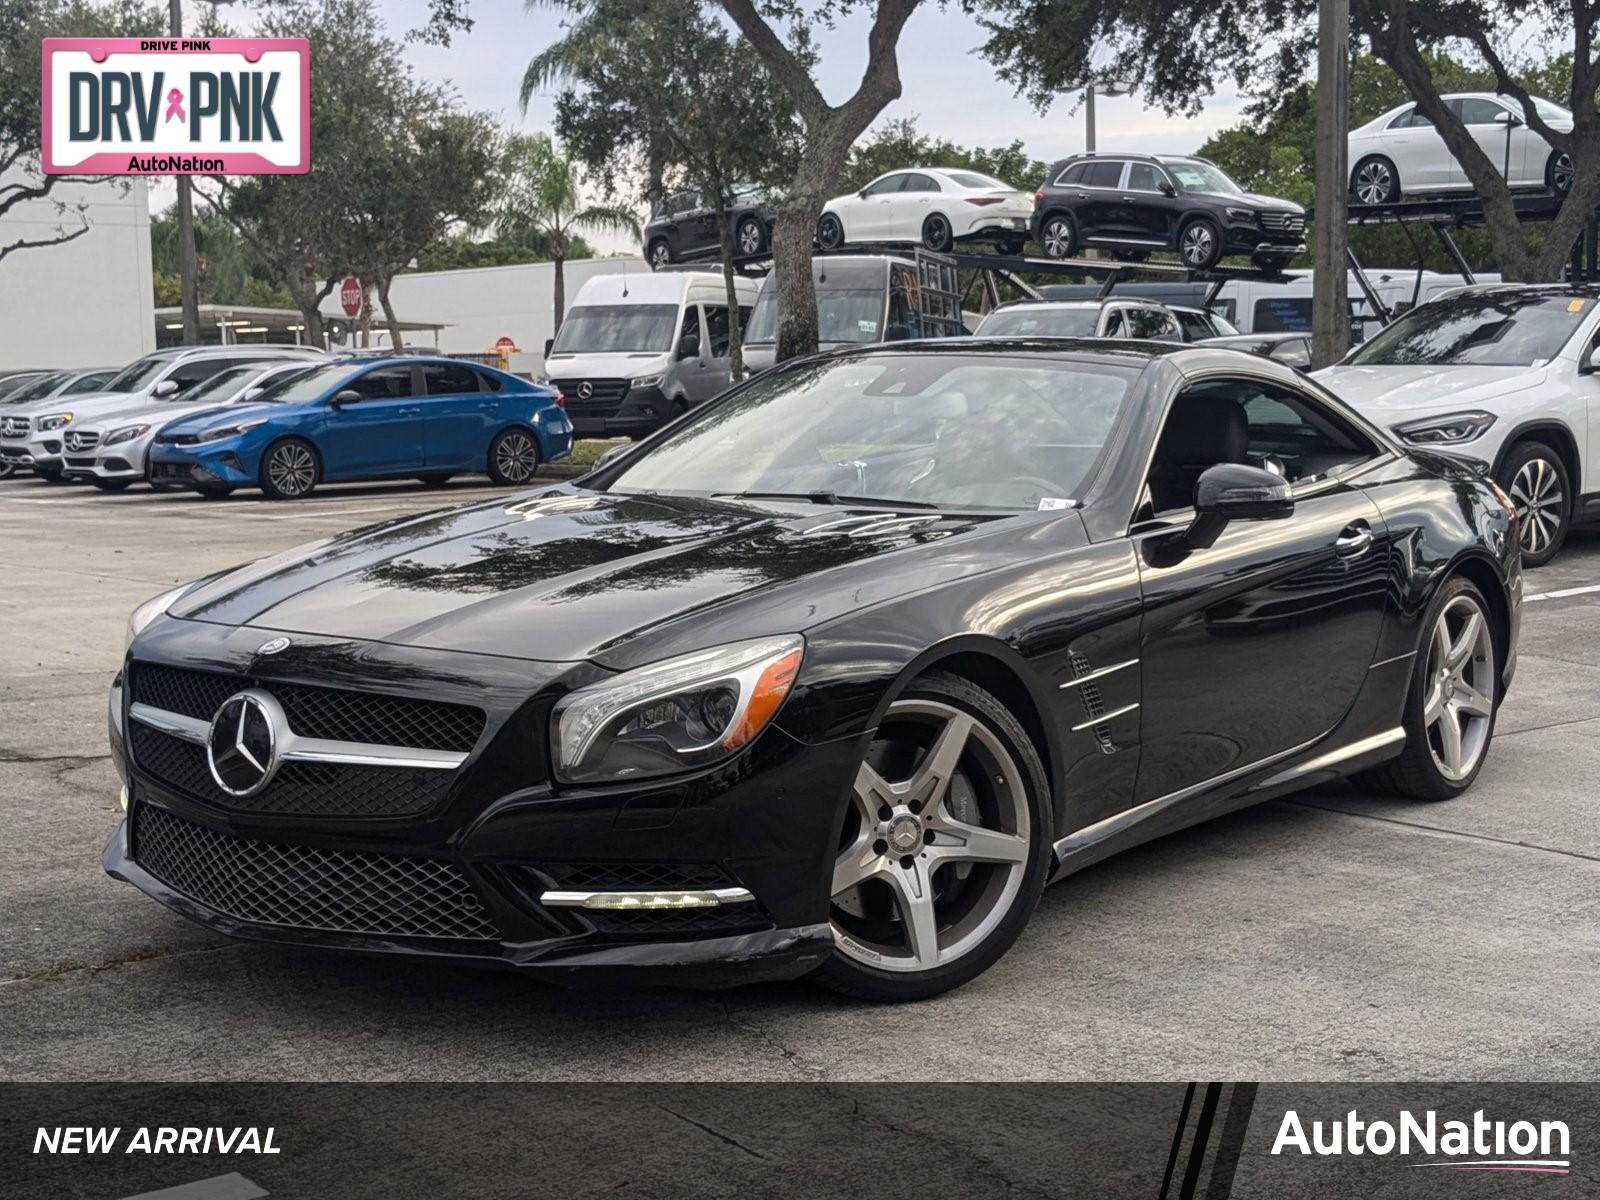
(428, 418)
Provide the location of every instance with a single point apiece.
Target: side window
(385, 383)
(691, 327)
(1073, 174)
(450, 379)
(1294, 352)
(1412, 118)
(1103, 174)
(1195, 325)
(920, 183)
(186, 375)
(888, 184)
(1151, 323)
(717, 330)
(487, 382)
(744, 318)
(1115, 327)
(1478, 112)
(1282, 314)
(1144, 177)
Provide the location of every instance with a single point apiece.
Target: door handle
(488, 405)
(1356, 539)
(410, 412)
(1083, 195)
(1128, 200)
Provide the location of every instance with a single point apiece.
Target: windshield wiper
(823, 496)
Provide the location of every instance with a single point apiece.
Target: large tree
(24, 24)
(1180, 52)
(660, 92)
(542, 203)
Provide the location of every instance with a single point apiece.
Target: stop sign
(350, 295)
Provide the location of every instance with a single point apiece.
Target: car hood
(153, 412)
(1254, 200)
(1389, 393)
(88, 403)
(224, 416)
(567, 575)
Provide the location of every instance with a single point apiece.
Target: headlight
(647, 381)
(141, 617)
(1247, 215)
(126, 434)
(228, 431)
(54, 421)
(1449, 430)
(684, 712)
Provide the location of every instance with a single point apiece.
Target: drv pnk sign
(177, 106)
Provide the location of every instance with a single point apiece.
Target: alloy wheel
(1459, 702)
(1199, 245)
(1373, 181)
(936, 233)
(660, 256)
(292, 469)
(1536, 492)
(935, 844)
(1057, 238)
(749, 238)
(516, 457)
(1561, 174)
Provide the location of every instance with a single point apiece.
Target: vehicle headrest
(1207, 429)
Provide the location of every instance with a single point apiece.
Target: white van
(638, 349)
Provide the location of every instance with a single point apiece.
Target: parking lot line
(1563, 593)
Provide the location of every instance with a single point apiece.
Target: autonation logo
(1476, 1145)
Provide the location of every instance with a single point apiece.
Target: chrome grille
(1283, 222)
(14, 427)
(604, 399)
(304, 887)
(82, 439)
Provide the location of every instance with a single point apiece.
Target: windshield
(309, 384)
(219, 387)
(1062, 320)
(137, 375)
(843, 315)
(956, 430)
(1201, 177)
(38, 389)
(1486, 330)
(89, 383)
(617, 329)
(1550, 112)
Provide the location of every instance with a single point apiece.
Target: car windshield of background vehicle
(1061, 321)
(843, 315)
(970, 179)
(220, 386)
(617, 329)
(1486, 331)
(309, 384)
(941, 430)
(1550, 112)
(39, 388)
(1203, 177)
(138, 374)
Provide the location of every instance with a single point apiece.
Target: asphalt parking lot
(1333, 936)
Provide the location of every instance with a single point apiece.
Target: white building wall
(88, 302)
(481, 305)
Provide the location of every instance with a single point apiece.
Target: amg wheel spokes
(1536, 493)
(932, 860)
(1459, 701)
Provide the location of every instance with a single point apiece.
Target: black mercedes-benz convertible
(828, 677)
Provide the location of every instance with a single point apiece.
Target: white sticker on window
(1050, 503)
(867, 326)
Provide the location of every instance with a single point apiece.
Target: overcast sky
(950, 90)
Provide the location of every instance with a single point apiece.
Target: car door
(1146, 212)
(870, 216)
(458, 415)
(1418, 153)
(1255, 645)
(1099, 198)
(1503, 140)
(909, 208)
(377, 434)
(696, 373)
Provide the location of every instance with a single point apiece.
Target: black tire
(50, 475)
(1271, 262)
(1536, 479)
(437, 479)
(830, 232)
(1375, 180)
(110, 485)
(994, 899)
(513, 457)
(1200, 244)
(1012, 247)
(750, 238)
(1416, 773)
(215, 493)
(7, 469)
(1130, 256)
(659, 254)
(1558, 173)
(290, 469)
(1058, 235)
(937, 234)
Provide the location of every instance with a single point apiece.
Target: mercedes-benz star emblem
(585, 390)
(272, 647)
(242, 746)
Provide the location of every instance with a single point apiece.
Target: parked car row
(282, 419)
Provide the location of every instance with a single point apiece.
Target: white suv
(1502, 374)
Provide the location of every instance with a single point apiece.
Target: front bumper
(640, 411)
(500, 836)
(122, 460)
(213, 464)
(39, 452)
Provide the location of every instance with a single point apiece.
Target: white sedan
(1401, 153)
(932, 207)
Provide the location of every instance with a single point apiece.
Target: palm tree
(544, 203)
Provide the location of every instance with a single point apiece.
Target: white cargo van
(639, 348)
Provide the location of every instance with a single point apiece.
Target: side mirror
(689, 346)
(1591, 364)
(345, 396)
(862, 194)
(1167, 189)
(167, 387)
(1506, 118)
(549, 344)
(1236, 492)
(252, 392)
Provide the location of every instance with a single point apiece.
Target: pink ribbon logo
(175, 105)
